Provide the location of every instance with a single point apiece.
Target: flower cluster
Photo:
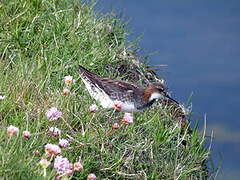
(54, 131)
(66, 91)
(53, 113)
(93, 108)
(12, 130)
(77, 166)
(62, 165)
(36, 153)
(52, 150)
(53, 156)
(68, 80)
(26, 134)
(128, 118)
(91, 177)
(116, 126)
(63, 142)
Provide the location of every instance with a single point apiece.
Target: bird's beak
(167, 96)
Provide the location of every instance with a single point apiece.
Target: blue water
(200, 43)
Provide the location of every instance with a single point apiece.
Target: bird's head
(157, 91)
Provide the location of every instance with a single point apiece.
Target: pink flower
(93, 108)
(116, 126)
(12, 130)
(36, 153)
(68, 80)
(77, 166)
(118, 105)
(26, 134)
(63, 143)
(62, 165)
(70, 139)
(66, 91)
(53, 113)
(91, 177)
(52, 149)
(54, 131)
(128, 118)
(2, 97)
(44, 163)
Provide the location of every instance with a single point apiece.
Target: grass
(41, 42)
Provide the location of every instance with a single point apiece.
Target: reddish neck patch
(147, 93)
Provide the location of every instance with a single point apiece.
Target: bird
(122, 95)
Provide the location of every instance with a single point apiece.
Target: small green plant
(48, 129)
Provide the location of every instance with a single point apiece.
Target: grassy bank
(41, 42)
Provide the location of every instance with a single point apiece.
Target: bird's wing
(106, 90)
(120, 90)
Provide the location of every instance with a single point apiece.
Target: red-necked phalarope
(122, 95)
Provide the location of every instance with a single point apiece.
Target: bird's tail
(83, 72)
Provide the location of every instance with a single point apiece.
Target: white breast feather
(99, 95)
(129, 107)
(156, 96)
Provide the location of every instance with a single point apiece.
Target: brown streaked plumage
(109, 92)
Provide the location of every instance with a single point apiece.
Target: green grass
(43, 41)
